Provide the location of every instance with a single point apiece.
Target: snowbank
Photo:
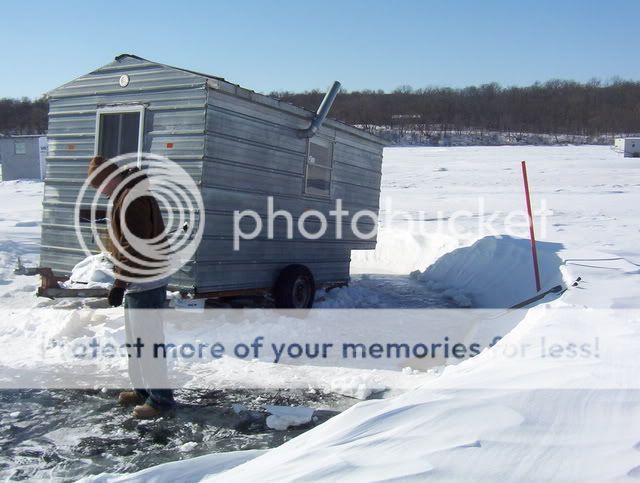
(493, 272)
(400, 251)
(532, 416)
(193, 469)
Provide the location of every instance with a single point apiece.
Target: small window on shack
(118, 132)
(20, 147)
(319, 166)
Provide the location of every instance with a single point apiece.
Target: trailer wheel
(294, 288)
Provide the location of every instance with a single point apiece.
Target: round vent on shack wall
(124, 80)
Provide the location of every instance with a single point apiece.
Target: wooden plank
(57, 292)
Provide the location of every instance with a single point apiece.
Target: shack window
(319, 164)
(118, 133)
(20, 147)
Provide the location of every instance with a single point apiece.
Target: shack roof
(220, 83)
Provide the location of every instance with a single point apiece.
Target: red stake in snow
(534, 251)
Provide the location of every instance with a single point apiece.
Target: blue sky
(300, 45)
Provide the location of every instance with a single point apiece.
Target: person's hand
(116, 294)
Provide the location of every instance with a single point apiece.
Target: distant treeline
(554, 107)
(23, 116)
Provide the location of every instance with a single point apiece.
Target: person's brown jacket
(144, 220)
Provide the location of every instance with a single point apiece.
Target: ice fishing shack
(628, 147)
(240, 148)
(23, 156)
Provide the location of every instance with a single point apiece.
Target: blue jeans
(144, 328)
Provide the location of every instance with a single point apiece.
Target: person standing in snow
(136, 212)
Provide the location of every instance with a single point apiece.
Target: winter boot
(129, 397)
(146, 411)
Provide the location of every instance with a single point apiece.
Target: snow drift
(493, 272)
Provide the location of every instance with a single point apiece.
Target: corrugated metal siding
(252, 151)
(241, 146)
(175, 113)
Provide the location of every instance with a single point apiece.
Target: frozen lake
(522, 418)
(74, 433)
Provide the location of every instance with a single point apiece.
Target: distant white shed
(23, 157)
(629, 146)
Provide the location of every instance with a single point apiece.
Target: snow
(21, 212)
(95, 271)
(496, 263)
(281, 417)
(557, 397)
(359, 386)
(193, 469)
(188, 446)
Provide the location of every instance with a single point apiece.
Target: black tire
(294, 288)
